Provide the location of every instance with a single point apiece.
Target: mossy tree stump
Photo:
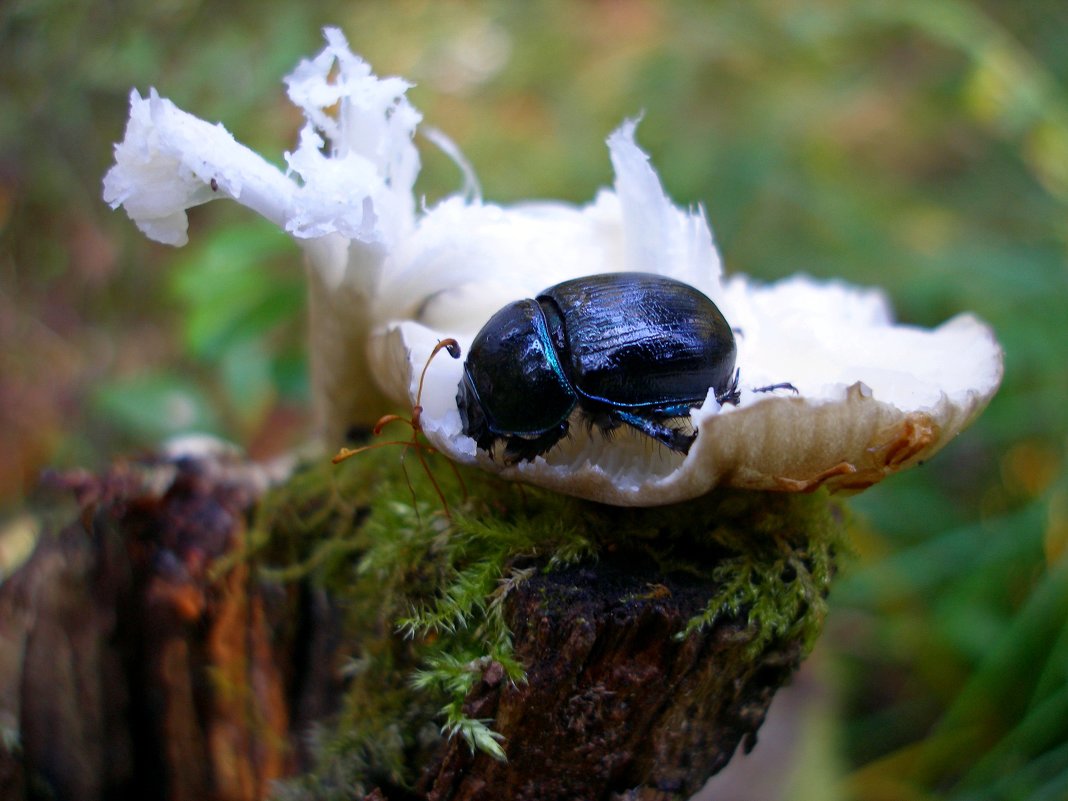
(613, 703)
(192, 634)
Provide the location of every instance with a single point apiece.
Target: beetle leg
(731, 394)
(773, 387)
(673, 438)
(521, 449)
(606, 421)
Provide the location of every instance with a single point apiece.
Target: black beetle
(630, 349)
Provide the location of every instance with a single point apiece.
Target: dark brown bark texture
(130, 669)
(614, 706)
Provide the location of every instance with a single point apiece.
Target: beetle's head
(472, 418)
(514, 384)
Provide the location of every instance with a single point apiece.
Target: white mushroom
(386, 283)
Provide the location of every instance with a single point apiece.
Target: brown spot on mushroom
(905, 441)
(814, 483)
(897, 445)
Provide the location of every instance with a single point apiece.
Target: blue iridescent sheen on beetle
(621, 349)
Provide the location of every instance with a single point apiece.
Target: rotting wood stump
(144, 657)
(613, 703)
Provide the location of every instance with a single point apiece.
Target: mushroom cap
(873, 398)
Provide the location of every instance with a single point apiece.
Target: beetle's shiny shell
(633, 349)
(641, 340)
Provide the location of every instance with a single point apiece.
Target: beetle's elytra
(631, 349)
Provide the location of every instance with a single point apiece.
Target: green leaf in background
(237, 285)
(154, 406)
(242, 290)
(247, 377)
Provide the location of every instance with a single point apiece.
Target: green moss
(424, 595)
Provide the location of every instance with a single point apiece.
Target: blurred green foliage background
(921, 146)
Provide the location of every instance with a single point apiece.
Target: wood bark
(129, 669)
(614, 706)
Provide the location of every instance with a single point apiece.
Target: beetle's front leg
(523, 449)
(674, 438)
